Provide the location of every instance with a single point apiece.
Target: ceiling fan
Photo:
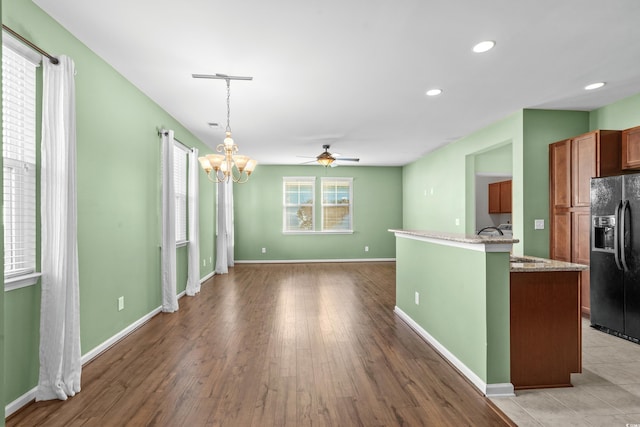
(327, 159)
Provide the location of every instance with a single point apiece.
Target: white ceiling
(353, 73)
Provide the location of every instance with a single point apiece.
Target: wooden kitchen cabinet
(581, 250)
(505, 196)
(500, 197)
(572, 164)
(560, 171)
(631, 148)
(545, 328)
(561, 236)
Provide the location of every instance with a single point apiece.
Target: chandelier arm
(239, 179)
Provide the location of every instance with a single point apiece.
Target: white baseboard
(489, 390)
(302, 261)
(207, 277)
(29, 396)
(23, 400)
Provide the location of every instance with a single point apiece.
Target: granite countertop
(530, 264)
(517, 263)
(457, 237)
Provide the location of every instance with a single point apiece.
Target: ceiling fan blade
(347, 159)
(220, 77)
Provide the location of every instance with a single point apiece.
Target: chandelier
(228, 165)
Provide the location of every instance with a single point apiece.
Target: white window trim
(19, 47)
(17, 282)
(311, 180)
(322, 204)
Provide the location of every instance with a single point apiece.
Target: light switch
(538, 224)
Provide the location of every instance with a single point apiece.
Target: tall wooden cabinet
(572, 164)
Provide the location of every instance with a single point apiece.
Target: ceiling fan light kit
(229, 165)
(326, 158)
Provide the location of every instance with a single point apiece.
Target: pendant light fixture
(228, 165)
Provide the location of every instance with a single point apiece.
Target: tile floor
(606, 393)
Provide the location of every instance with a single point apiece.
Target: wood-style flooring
(274, 345)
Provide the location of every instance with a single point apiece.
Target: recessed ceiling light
(434, 92)
(593, 86)
(484, 46)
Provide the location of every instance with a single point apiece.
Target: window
(298, 209)
(19, 167)
(180, 186)
(336, 204)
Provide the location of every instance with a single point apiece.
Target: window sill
(316, 232)
(17, 282)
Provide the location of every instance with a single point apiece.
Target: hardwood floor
(275, 345)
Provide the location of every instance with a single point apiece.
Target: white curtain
(193, 280)
(168, 262)
(60, 354)
(224, 242)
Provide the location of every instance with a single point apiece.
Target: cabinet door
(584, 166)
(631, 148)
(505, 196)
(581, 227)
(560, 174)
(560, 241)
(494, 197)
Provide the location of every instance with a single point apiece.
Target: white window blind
(180, 184)
(19, 157)
(298, 204)
(337, 212)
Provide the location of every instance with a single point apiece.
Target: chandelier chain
(228, 107)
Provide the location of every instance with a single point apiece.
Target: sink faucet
(489, 228)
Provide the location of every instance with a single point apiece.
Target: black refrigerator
(615, 255)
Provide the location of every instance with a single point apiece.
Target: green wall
(541, 128)
(496, 161)
(377, 207)
(118, 176)
(464, 309)
(620, 115)
(440, 187)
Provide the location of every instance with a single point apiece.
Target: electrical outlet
(204, 262)
(366, 248)
(417, 298)
(210, 260)
(264, 250)
(120, 303)
(457, 221)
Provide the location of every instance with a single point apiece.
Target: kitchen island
(454, 291)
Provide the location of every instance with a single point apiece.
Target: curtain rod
(52, 59)
(166, 133)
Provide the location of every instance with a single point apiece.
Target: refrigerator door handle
(616, 237)
(623, 225)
